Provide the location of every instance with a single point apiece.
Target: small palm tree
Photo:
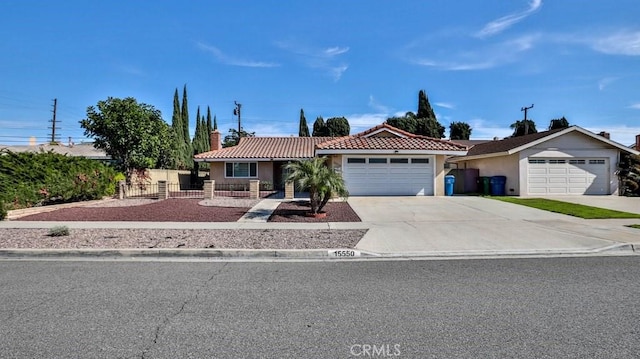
(321, 181)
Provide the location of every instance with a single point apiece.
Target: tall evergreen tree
(196, 142)
(427, 123)
(185, 123)
(178, 131)
(303, 130)
(424, 108)
(209, 125)
(459, 131)
(320, 128)
(215, 122)
(338, 127)
(206, 145)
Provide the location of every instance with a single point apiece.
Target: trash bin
(449, 181)
(483, 185)
(497, 185)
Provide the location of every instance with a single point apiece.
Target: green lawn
(634, 226)
(571, 209)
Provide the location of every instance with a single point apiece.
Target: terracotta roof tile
(391, 143)
(267, 148)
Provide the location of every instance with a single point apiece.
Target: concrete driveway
(459, 224)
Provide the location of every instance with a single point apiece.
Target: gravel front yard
(178, 238)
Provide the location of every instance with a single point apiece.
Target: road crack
(158, 331)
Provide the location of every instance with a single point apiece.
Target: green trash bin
(484, 185)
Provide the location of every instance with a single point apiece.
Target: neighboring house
(383, 160)
(562, 161)
(81, 150)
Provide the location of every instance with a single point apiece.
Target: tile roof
(267, 148)
(391, 143)
(80, 150)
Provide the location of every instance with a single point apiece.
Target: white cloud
(230, 60)
(322, 59)
(377, 106)
(364, 121)
(635, 106)
(623, 134)
(499, 25)
(481, 130)
(603, 83)
(620, 43)
(445, 105)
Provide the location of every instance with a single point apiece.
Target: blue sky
(480, 62)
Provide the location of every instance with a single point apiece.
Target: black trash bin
(483, 185)
(498, 185)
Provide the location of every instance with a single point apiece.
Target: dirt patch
(296, 211)
(170, 210)
(178, 238)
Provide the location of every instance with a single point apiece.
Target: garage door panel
(389, 178)
(561, 176)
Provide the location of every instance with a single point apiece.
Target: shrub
(3, 211)
(59, 231)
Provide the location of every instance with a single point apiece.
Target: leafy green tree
(558, 123)
(523, 127)
(338, 126)
(132, 133)
(233, 137)
(405, 123)
(320, 128)
(303, 130)
(459, 131)
(320, 181)
(629, 174)
(423, 123)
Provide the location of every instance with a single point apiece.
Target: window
(576, 162)
(399, 160)
(355, 160)
(419, 160)
(377, 160)
(241, 169)
(536, 161)
(596, 162)
(557, 162)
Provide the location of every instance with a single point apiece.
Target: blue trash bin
(449, 181)
(498, 185)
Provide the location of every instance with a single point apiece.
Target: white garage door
(568, 176)
(389, 176)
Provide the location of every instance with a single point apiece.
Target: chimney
(214, 140)
(606, 135)
(637, 142)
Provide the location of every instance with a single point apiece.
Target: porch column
(163, 190)
(254, 189)
(288, 190)
(209, 189)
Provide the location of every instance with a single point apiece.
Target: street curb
(300, 254)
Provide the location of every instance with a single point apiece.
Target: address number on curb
(344, 253)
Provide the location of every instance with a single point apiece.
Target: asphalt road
(515, 308)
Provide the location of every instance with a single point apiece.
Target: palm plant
(320, 181)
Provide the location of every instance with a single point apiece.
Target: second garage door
(389, 176)
(568, 176)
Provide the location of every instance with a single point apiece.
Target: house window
(241, 169)
(399, 160)
(576, 162)
(419, 160)
(536, 161)
(355, 160)
(377, 160)
(596, 162)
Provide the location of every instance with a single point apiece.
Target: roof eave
(479, 157)
(390, 152)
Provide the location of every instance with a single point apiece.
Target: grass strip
(571, 209)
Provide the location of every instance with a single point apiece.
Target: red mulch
(296, 211)
(170, 210)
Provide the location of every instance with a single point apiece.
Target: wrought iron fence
(181, 190)
(178, 190)
(141, 190)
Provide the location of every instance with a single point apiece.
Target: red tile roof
(267, 148)
(391, 143)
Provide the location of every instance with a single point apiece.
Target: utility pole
(53, 121)
(526, 124)
(236, 111)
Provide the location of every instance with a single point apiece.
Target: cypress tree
(206, 146)
(185, 124)
(427, 123)
(215, 122)
(319, 127)
(178, 129)
(196, 142)
(209, 126)
(303, 131)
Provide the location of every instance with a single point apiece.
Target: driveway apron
(467, 224)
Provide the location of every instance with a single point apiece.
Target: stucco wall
(499, 166)
(439, 175)
(217, 170)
